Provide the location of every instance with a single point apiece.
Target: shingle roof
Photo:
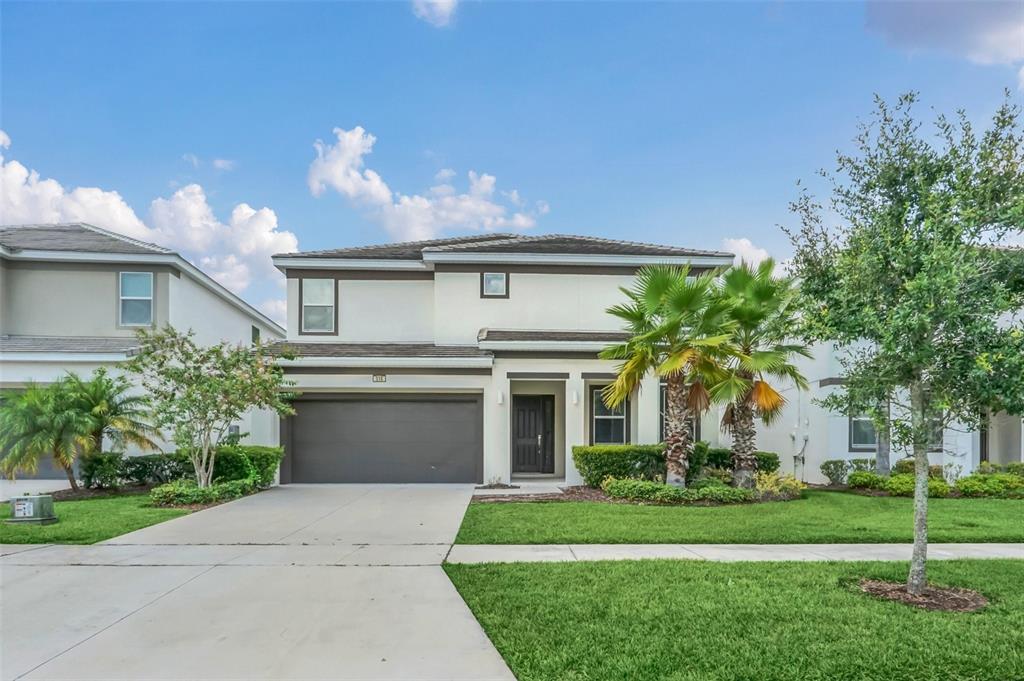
(74, 236)
(377, 350)
(86, 344)
(404, 250)
(571, 244)
(506, 335)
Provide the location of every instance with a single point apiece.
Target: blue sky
(681, 123)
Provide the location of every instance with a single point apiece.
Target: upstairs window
(318, 305)
(494, 284)
(255, 332)
(607, 426)
(135, 292)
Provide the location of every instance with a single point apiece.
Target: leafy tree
(42, 421)
(762, 307)
(114, 412)
(198, 392)
(911, 285)
(678, 329)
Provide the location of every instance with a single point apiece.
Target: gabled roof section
(550, 336)
(77, 237)
(403, 250)
(570, 244)
(70, 344)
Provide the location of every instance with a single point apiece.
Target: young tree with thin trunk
(199, 392)
(761, 305)
(678, 329)
(911, 282)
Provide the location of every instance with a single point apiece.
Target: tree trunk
(70, 472)
(744, 444)
(678, 444)
(97, 442)
(917, 579)
(882, 465)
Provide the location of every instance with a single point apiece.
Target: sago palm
(678, 329)
(114, 412)
(42, 421)
(761, 308)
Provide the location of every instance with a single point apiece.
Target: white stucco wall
(213, 319)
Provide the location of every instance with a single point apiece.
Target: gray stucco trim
(407, 371)
(599, 375)
(833, 380)
(537, 375)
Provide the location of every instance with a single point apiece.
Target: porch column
(648, 431)
(575, 416)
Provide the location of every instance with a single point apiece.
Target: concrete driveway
(298, 582)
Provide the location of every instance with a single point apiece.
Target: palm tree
(114, 413)
(678, 328)
(761, 308)
(42, 421)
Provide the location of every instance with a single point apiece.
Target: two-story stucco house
(474, 360)
(72, 297)
(461, 360)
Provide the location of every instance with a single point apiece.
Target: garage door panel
(427, 438)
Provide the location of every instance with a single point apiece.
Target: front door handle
(539, 436)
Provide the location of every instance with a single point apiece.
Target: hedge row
(647, 462)
(232, 462)
(998, 485)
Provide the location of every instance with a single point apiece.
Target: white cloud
(341, 167)
(224, 164)
(236, 253)
(5, 140)
(745, 250)
(190, 159)
(435, 12)
(276, 309)
(982, 31)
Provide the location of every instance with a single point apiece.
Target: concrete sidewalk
(549, 553)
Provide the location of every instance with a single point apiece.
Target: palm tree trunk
(70, 472)
(917, 578)
(678, 444)
(744, 444)
(97, 442)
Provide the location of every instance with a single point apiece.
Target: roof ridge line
(115, 235)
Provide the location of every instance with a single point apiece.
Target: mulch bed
(84, 493)
(576, 493)
(946, 599)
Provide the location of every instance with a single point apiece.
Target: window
(255, 332)
(135, 291)
(318, 299)
(863, 437)
(607, 426)
(494, 284)
(694, 422)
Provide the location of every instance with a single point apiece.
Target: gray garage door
(386, 438)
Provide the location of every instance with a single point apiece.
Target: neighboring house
(461, 360)
(72, 297)
(473, 359)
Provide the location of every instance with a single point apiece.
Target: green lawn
(686, 620)
(821, 517)
(88, 521)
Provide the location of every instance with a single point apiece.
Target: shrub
(1016, 468)
(238, 462)
(723, 475)
(767, 462)
(902, 485)
(701, 483)
(773, 485)
(187, 493)
(862, 464)
(835, 470)
(988, 468)
(658, 492)
(102, 470)
(597, 462)
(719, 457)
(993, 485)
(156, 468)
(906, 467)
(698, 459)
(866, 480)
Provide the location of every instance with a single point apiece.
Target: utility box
(34, 510)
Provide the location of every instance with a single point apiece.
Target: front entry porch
(537, 428)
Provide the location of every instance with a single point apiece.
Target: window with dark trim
(319, 298)
(694, 421)
(863, 437)
(608, 426)
(494, 284)
(255, 333)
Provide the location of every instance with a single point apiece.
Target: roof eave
(577, 259)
